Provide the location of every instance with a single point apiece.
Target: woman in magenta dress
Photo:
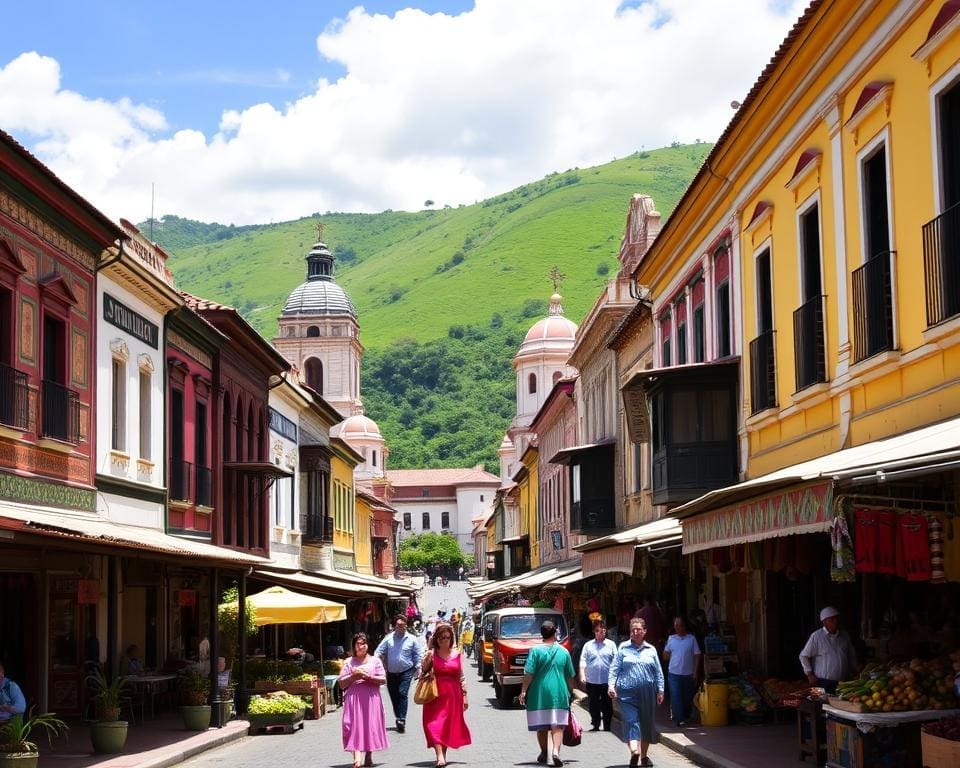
(443, 722)
(364, 725)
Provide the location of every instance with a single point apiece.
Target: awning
(615, 553)
(323, 583)
(566, 455)
(515, 539)
(565, 581)
(258, 468)
(796, 499)
(90, 528)
(530, 579)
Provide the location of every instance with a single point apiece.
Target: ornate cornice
(43, 229)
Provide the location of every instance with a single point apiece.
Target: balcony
(61, 412)
(589, 516)
(873, 306)
(763, 372)
(180, 472)
(318, 529)
(204, 487)
(941, 262)
(14, 398)
(592, 487)
(809, 343)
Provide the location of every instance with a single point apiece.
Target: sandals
(542, 758)
(634, 759)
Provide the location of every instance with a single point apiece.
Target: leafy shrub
(279, 703)
(603, 268)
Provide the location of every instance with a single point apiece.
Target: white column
(832, 118)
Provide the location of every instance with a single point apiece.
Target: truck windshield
(529, 626)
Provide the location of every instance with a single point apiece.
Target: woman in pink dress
(443, 722)
(363, 724)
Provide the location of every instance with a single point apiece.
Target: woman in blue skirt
(636, 679)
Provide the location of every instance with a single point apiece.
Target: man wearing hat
(828, 657)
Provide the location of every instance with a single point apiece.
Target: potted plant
(195, 694)
(108, 733)
(16, 749)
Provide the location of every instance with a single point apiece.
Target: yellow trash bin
(712, 703)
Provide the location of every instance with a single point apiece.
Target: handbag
(572, 732)
(426, 690)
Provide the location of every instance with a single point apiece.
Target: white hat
(828, 613)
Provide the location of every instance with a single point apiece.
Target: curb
(175, 756)
(675, 742)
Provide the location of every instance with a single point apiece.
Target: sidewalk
(153, 744)
(732, 746)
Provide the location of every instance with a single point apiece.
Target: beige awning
(87, 527)
(325, 582)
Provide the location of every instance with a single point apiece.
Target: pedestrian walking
(636, 679)
(547, 686)
(443, 719)
(683, 657)
(596, 657)
(400, 653)
(363, 725)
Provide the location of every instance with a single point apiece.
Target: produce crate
(279, 723)
(896, 747)
(939, 752)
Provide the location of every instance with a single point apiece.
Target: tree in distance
(431, 549)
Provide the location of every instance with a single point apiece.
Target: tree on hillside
(431, 549)
(428, 203)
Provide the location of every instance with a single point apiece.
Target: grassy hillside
(454, 289)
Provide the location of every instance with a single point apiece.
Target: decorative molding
(28, 331)
(808, 162)
(120, 350)
(120, 461)
(16, 488)
(762, 212)
(145, 363)
(39, 226)
(78, 358)
(944, 25)
(873, 95)
(177, 341)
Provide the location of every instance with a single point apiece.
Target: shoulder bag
(426, 690)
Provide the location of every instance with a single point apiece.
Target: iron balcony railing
(14, 398)
(873, 306)
(61, 412)
(763, 372)
(180, 472)
(808, 343)
(204, 487)
(941, 261)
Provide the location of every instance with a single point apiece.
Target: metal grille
(61, 412)
(14, 398)
(763, 372)
(873, 306)
(941, 261)
(808, 343)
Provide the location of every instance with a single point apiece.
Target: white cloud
(450, 108)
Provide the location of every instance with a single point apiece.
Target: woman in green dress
(547, 684)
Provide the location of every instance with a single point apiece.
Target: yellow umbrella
(277, 605)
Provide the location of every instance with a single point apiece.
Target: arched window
(532, 383)
(313, 331)
(227, 456)
(313, 369)
(556, 376)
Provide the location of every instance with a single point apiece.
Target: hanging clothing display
(865, 539)
(886, 541)
(935, 534)
(913, 548)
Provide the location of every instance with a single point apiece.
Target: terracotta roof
(198, 304)
(456, 476)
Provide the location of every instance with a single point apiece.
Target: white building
(441, 501)
(134, 293)
(286, 403)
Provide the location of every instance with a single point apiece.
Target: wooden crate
(939, 752)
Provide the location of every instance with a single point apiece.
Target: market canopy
(277, 605)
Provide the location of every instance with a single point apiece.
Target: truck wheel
(505, 697)
(487, 671)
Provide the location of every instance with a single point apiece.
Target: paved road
(500, 737)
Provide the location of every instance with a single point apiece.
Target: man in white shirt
(595, 660)
(682, 653)
(828, 657)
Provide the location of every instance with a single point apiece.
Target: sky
(250, 112)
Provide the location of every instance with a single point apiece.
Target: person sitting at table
(131, 664)
(12, 701)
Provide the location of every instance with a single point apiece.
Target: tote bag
(572, 732)
(426, 690)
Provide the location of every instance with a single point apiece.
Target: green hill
(454, 289)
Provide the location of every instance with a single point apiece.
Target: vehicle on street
(512, 632)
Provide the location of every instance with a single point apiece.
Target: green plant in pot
(195, 694)
(109, 733)
(16, 748)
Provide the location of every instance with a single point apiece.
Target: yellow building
(528, 485)
(362, 532)
(348, 536)
(805, 295)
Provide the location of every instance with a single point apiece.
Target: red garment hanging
(886, 541)
(915, 546)
(865, 540)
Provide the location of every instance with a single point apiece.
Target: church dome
(359, 426)
(319, 295)
(552, 332)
